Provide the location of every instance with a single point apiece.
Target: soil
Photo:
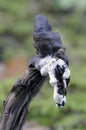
(34, 126)
(14, 67)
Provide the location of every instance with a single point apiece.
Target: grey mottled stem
(15, 107)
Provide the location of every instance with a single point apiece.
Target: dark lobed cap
(46, 41)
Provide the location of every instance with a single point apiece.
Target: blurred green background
(68, 17)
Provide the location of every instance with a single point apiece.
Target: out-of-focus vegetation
(68, 17)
